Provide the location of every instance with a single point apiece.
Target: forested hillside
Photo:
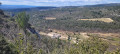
(67, 18)
(19, 31)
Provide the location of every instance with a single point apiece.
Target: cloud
(64, 0)
(57, 2)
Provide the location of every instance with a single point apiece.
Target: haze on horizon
(57, 2)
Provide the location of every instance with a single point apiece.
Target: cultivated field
(50, 18)
(108, 20)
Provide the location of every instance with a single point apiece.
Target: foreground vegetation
(93, 45)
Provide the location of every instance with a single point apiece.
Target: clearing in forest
(108, 20)
(50, 18)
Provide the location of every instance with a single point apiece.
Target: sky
(57, 2)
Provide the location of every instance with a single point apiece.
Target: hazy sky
(57, 2)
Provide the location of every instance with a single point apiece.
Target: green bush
(6, 48)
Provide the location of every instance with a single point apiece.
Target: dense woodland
(17, 38)
(67, 18)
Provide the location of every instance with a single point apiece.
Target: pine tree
(22, 20)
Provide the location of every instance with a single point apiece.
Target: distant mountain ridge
(101, 5)
(4, 7)
(27, 7)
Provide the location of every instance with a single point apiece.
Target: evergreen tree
(22, 20)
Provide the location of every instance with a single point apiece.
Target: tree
(22, 20)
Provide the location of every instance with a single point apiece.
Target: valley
(113, 38)
(64, 34)
(93, 29)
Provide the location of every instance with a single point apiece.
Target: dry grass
(50, 18)
(108, 20)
